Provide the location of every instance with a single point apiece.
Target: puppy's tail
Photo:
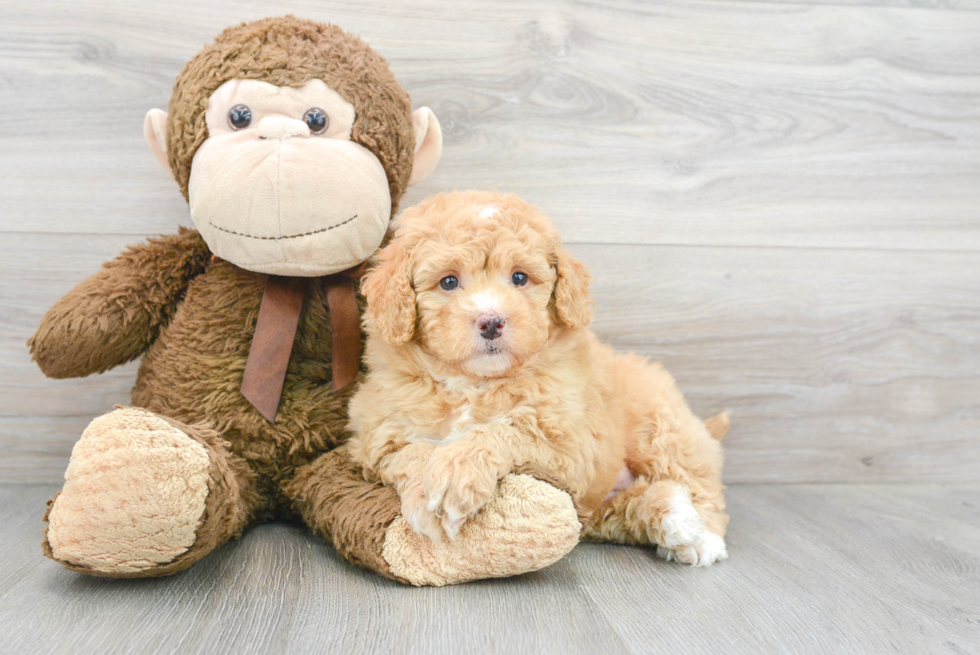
(718, 425)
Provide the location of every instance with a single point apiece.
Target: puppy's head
(478, 280)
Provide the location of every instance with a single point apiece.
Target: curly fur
(445, 413)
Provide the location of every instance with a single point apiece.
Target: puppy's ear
(571, 295)
(389, 293)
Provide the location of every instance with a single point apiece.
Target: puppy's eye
(239, 117)
(316, 119)
(448, 283)
(518, 279)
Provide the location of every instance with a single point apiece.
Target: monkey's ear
(155, 131)
(428, 144)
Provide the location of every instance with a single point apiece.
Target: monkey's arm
(114, 316)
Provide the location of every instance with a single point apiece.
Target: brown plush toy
(292, 142)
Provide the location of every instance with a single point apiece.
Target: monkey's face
(292, 166)
(279, 187)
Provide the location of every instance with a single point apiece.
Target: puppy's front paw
(527, 525)
(415, 509)
(458, 483)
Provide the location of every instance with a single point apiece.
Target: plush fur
(155, 487)
(289, 51)
(446, 412)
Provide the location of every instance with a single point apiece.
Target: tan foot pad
(133, 496)
(527, 526)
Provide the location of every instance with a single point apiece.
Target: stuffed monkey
(292, 143)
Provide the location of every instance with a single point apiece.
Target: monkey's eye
(448, 283)
(239, 117)
(518, 279)
(316, 119)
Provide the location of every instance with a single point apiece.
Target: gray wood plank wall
(779, 200)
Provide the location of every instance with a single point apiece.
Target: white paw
(682, 526)
(684, 537)
(712, 549)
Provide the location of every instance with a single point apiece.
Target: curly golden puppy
(480, 361)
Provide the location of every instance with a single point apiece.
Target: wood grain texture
(861, 366)
(711, 123)
(813, 569)
(778, 199)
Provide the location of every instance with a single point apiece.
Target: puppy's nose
(490, 326)
(280, 127)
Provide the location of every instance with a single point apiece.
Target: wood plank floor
(813, 569)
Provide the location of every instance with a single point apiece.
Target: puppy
(480, 361)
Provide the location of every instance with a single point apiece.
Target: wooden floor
(813, 569)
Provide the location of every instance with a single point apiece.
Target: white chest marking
(463, 421)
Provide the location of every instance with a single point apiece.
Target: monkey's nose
(280, 127)
(490, 327)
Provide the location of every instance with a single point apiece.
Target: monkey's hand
(114, 316)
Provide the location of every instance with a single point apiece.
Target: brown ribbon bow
(275, 332)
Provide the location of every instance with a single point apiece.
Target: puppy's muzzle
(490, 327)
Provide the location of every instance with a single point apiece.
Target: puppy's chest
(464, 412)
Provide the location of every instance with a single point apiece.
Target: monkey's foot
(133, 499)
(527, 525)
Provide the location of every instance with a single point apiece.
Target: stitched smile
(291, 236)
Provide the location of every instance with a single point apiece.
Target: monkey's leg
(527, 525)
(146, 496)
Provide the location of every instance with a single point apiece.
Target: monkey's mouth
(289, 236)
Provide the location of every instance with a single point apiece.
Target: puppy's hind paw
(684, 537)
(711, 549)
(682, 526)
